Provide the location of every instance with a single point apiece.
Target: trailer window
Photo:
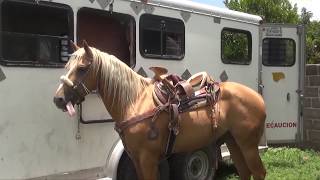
(236, 46)
(162, 37)
(278, 52)
(35, 34)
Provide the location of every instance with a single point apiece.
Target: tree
(305, 16)
(313, 42)
(281, 11)
(272, 11)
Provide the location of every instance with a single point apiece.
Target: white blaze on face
(65, 80)
(59, 88)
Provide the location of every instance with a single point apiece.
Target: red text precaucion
(281, 125)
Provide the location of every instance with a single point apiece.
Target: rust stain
(277, 76)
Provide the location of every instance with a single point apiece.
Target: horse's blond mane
(119, 82)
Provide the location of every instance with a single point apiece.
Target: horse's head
(79, 81)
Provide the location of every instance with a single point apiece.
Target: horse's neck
(122, 110)
(142, 104)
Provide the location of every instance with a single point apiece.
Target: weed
(286, 164)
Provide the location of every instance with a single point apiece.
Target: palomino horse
(240, 115)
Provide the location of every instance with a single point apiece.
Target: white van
(38, 141)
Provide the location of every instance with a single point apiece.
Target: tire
(197, 165)
(126, 169)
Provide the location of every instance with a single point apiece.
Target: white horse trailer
(38, 140)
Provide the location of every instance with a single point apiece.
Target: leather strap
(186, 88)
(122, 125)
(160, 95)
(173, 128)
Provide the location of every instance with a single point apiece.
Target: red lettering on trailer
(281, 125)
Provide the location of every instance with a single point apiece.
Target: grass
(283, 164)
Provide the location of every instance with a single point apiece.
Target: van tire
(197, 165)
(127, 171)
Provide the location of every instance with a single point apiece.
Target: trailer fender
(113, 159)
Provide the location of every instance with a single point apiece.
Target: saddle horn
(158, 76)
(158, 72)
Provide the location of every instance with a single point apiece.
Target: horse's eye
(81, 69)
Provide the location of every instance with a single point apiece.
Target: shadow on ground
(226, 171)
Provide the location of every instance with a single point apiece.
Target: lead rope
(78, 135)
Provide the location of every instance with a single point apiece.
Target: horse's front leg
(146, 164)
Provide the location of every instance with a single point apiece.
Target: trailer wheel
(126, 169)
(193, 166)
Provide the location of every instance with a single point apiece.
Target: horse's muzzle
(60, 103)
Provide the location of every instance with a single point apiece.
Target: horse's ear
(74, 46)
(87, 50)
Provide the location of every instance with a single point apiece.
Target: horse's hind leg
(248, 143)
(237, 157)
(253, 160)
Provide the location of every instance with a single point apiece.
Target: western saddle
(175, 95)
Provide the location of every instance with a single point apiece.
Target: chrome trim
(206, 10)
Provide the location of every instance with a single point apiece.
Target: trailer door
(282, 56)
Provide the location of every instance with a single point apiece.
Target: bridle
(78, 89)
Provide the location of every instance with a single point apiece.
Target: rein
(121, 126)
